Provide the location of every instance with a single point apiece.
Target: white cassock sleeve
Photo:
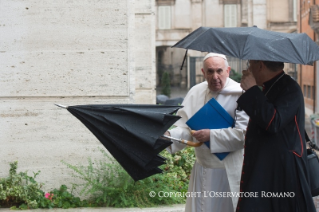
(230, 139)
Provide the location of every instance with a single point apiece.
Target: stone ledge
(171, 208)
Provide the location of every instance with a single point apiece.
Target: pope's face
(215, 72)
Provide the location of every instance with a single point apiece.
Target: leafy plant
(61, 198)
(108, 183)
(166, 84)
(234, 75)
(19, 189)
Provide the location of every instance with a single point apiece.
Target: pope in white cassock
(209, 174)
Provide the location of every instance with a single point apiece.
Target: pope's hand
(202, 135)
(247, 80)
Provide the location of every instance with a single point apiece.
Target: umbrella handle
(193, 144)
(188, 143)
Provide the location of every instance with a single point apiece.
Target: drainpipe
(300, 30)
(314, 79)
(315, 74)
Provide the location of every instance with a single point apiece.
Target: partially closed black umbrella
(131, 133)
(252, 43)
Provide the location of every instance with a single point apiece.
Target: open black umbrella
(131, 133)
(252, 43)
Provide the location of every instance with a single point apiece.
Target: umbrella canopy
(131, 133)
(252, 43)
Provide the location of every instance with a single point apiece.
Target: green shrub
(20, 191)
(61, 198)
(108, 183)
(166, 84)
(179, 166)
(234, 75)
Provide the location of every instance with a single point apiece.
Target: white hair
(215, 55)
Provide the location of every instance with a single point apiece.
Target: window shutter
(229, 1)
(294, 10)
(230, 15)
(164, 17)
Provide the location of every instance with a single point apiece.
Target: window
(308, 92)
(164, 17)
(230, 15)
(304, 90)
(294, 8)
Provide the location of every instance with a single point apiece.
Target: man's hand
(202, 135)
(247, 80)
(167, 133)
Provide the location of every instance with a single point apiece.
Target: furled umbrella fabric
(131, 133)
(252, 43)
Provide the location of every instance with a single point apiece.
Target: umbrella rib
(297, 51)
(244, 47)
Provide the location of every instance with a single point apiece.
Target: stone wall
(68, 52)
(144, 52)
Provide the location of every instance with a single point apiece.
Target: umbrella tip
(59, 105)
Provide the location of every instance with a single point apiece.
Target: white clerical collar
(213, 94)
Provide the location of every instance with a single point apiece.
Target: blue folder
(211, 116)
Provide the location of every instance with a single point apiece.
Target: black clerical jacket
(274, 175)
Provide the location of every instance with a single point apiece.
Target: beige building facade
(177, 18)
(68, 52)
(308, 22)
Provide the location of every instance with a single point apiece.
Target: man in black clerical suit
(275, 157)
